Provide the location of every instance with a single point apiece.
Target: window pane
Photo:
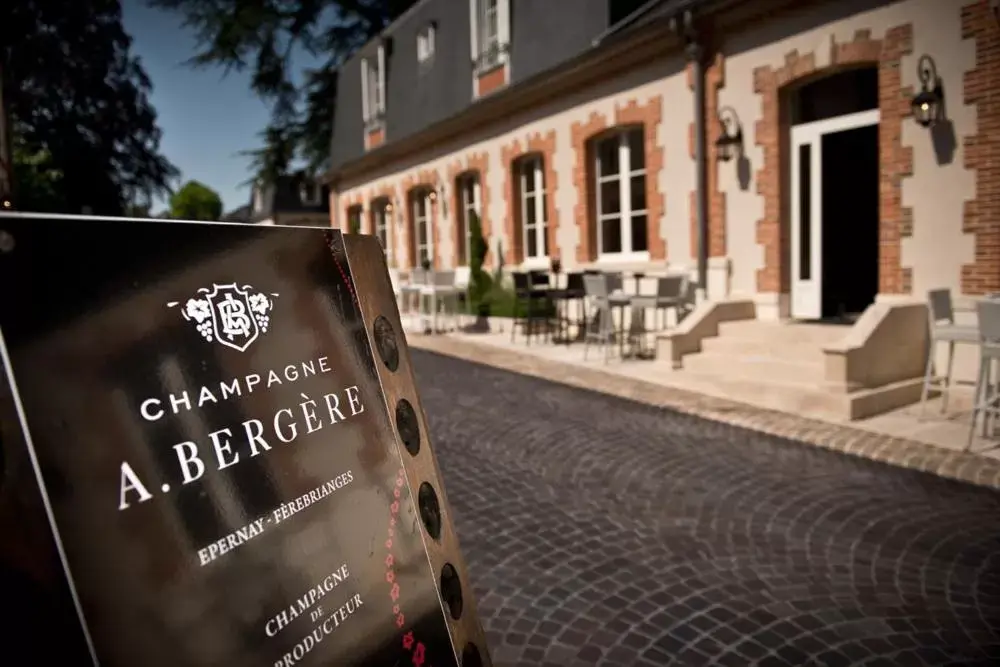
(805, 212)
(610, 197)
(611, 235)
(637, 193)
(528, 177)
(607, 156)
(422, 232)
(529, 211)
(636, 150)
(640, 238)
(532, 245)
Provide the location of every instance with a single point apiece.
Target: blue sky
(207, 116)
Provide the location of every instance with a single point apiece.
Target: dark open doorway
(835, 119)
(850, 210)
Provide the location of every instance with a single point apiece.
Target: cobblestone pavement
(601, 531)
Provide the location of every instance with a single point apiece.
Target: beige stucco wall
(936, 192)
(664, 79)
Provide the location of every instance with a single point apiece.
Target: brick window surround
(352, 201)
(896, 161)
(425, 179)
(473, 164)
(649, 116)
(491, 81)
(981, 216)
(545, 146)
(714, 81)
(393, 235)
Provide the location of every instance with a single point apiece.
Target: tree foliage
(84, 132)
(263, 37)
(195, 201)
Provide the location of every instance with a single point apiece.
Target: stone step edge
(892, 450)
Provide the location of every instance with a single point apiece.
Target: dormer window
(490, 33)
(425, 43)
(373, 88)
(309, 194)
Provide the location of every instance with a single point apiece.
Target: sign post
(213, 453)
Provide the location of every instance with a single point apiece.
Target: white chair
(394, 281)
(438, 289)
(463, 277)
(410, 291)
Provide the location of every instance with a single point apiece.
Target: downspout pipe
(701, 167)
(694, 53)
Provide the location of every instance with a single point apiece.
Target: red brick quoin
(896, 160)
(544, 145)
(425, 178)
(981, 216)
(649, 116)
(474, 163)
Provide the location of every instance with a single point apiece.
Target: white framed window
(620, 193)
(469, 203)
(490, 32)
(373, 87)
(381, 221)
(354, 214)
(423, 244)
(425, 43)
(309, 194)
(258, 198)
(534, 219)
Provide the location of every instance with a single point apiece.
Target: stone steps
(775, 365)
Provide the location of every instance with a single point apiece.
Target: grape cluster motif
(200, 310)
(260, 306)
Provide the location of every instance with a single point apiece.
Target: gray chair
(601, 329)
(671, 292)
(943, 329)
(986, 398)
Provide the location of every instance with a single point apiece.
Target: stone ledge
(960, 466)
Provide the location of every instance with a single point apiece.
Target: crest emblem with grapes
(230, 315)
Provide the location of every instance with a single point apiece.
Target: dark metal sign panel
(206, 471)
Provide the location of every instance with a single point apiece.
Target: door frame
(806, 299)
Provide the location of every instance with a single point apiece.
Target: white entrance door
(807, 208)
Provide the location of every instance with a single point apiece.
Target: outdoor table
(435, 293)
(620, 300)
(561, 299)
(637, 328)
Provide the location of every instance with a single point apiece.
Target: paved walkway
(892, 438)
(601, 531)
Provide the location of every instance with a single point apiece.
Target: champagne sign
(213, 453)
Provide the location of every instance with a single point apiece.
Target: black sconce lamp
(440, 196)
(729, 145)
(928, 104)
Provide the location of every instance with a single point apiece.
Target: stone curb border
(960, 466)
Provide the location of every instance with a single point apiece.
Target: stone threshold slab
(961, 466)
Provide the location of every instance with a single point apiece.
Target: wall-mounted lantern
(929, 102)
(729, 145)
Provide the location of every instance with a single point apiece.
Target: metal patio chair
(986, 398)
(941, 314)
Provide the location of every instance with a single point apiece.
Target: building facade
(595, 132)
(294, 199)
